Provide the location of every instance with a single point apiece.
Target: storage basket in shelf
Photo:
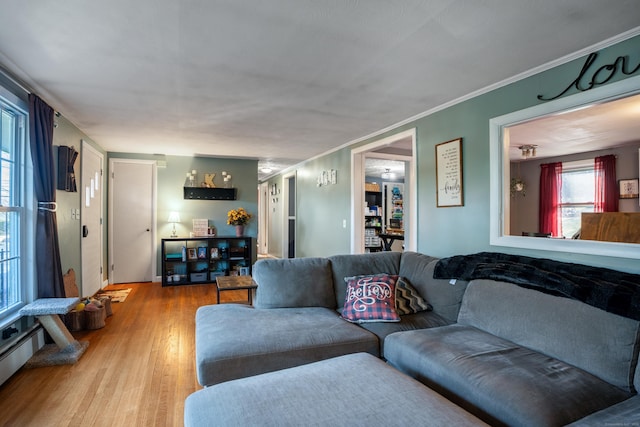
(371, 186)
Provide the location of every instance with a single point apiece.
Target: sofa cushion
(498, 380)
(601, 343)
(358, 265)
(443, 296)
(236, 341)
(408, 322)
(298, 282)
(408, 300)
(371, 298)
(625, 413)
(353, 390)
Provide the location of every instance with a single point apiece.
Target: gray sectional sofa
(507, 353)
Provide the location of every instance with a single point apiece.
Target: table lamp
(174, 217)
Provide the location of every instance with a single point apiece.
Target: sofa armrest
(297, 282)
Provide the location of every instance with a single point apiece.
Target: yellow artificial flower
(238, 216)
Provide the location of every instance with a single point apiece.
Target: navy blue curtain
(48, 267)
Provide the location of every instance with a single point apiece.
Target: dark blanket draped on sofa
(610, 290)
(48, 267)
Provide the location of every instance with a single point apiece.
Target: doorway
(132, 218)
(263, 218)
(289, 229)
(398, 147)
(91, 215)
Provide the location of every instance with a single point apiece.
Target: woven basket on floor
(74, 320)
(95, 319)
(106, 302)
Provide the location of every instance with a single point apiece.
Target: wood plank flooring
(137, 371)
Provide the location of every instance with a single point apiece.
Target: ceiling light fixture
(528, 151)
(387, 174)
(266, 170)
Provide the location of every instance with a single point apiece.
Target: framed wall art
(629, 188)
(449, 190)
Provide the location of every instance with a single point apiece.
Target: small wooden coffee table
(234, 283)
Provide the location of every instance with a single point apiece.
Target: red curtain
(606, 199)
(550, 192)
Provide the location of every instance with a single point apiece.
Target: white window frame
(26, 208)
(573, 167)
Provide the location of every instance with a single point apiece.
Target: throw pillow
(408, 300)
(370, 298)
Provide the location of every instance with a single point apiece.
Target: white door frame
(263, 218)
(285, 212)
(100, 156)
(154, 220)
(358, 155)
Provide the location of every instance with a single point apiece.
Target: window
(578, 194)
(12, 211)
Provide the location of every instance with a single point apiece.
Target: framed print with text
(449, 191)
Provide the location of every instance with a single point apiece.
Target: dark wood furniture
(388, 239)
(198, 260)
(234, 283)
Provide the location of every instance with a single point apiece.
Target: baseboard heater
(15, 355)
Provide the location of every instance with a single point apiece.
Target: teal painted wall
(318, 228)
(170, 193)
(445, 231)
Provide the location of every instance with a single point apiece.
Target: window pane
(578, 186)
(571, 219)
(10, 293)
(12, 138)
(578, 196)
(7, 159)
(8, 132)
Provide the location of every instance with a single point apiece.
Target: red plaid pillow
(371, 299)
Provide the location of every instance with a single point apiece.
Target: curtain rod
(15, 81)
(23, 86)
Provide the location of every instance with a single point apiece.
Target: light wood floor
(137, 371)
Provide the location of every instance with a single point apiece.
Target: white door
(131, 220)
(91, 216)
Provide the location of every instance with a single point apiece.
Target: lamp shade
(174, 217)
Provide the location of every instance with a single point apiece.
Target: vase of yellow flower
(238, 217)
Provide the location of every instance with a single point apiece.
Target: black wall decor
(66, 176)
(216, 193)
(588, 79)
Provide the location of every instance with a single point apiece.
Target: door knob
(85, 231)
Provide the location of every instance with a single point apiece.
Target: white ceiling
(598, 127)
(280, 81)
